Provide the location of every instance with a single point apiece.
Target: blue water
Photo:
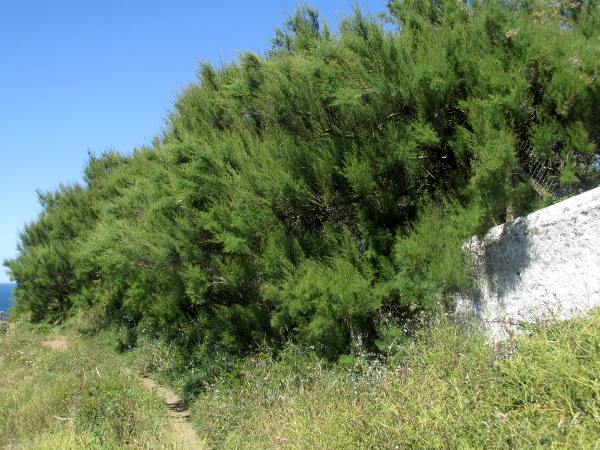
(6, 296)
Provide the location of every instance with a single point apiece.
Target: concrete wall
(545, 263)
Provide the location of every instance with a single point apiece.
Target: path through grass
(447, 388)
(75, 395)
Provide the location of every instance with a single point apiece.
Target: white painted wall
(545, 263)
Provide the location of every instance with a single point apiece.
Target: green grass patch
(448, 387)
(84, 396)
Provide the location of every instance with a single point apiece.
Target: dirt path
(57, 344)
(178, 412)
(176, 408)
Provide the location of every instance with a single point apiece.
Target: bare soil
(57, 344)
(177, 411)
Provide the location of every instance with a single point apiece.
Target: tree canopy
(321, 192)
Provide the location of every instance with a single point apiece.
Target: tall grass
(79, 398)
(446, 388)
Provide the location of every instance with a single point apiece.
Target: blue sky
(85, 75)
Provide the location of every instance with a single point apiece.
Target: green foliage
(447, 388)
(44, 268)
(321, 192)
(428, 259)
(325, 305)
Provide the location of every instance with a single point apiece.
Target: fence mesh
(541, 177)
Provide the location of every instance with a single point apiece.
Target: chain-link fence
(542, 178)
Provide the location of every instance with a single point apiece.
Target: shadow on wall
(540, 264)
(499, 261)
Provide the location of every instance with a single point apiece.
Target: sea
(6, 298)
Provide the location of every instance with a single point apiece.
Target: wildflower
(402, 370)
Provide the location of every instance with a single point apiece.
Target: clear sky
(98, 74)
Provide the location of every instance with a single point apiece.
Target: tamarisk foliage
(321, 192)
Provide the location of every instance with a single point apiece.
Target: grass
(446, 388)
(82, 397)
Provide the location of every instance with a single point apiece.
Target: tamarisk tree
(320, 192)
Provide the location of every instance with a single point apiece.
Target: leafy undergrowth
(81, 397)
(446, 388)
